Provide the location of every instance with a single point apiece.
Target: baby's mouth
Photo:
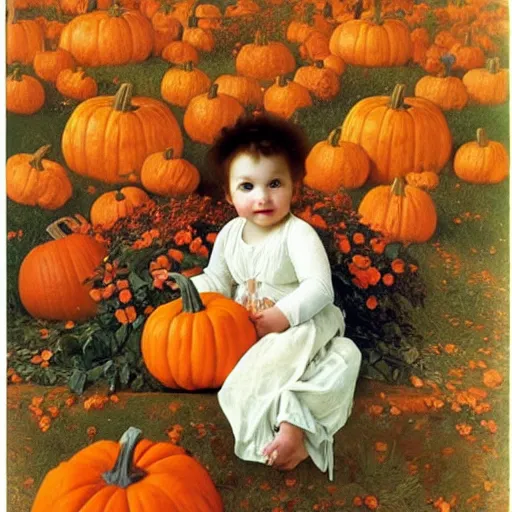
(265, 212)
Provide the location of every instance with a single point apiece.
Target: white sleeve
(313, 270)
(216, 277)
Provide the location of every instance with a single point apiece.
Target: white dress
(305, 375)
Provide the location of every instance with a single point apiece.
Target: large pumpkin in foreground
(132, 475)
(400, 135)
(194, 342)
(109, 137)
(52, 274)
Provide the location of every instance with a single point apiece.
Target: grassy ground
(465, 323)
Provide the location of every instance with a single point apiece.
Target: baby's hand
(269, 320)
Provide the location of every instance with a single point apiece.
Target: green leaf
(133, 343)
(392, 250)
(50, 377)
(138, 383)
(124, 375)
(122, 334)
(94, 374)
(138, 321)
(77, 381)
(68, 345)
(109, 369)
(136, 282)
(411, 355)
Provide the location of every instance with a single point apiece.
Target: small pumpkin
(50, 62)
(24, 94)
(321, 82)
(121, 476)
(333, 164)
(137, 126)
(37, 181)
(76, 84)
(481, 161)
(489, 85)
(426, 180)
(298, 30)
(180, 84)
(165, 175)
(51, 277)
(208, 113)
(315, 46)
(191, 326)
(403, 213)
(166, 28)
(243, 88)
(467, 56)
(24, 39)
(285, 97)
(447, 92)
(111, 206)
(377, 122)
(337, 64)
(201, 39)
(180, 52)
(208, 16)
(263, 59)
(242, 8)
(420, 39)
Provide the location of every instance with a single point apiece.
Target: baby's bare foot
(287, 450)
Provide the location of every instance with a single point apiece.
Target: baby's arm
(311, 264)
(216, 277)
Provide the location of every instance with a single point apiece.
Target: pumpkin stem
(123, 98)
(281, 81)
(493, 65)
(12, 16)
(467, 38)
(169, 153)
(397, 97)
(36, 161)
(16, 74)
(327, 11)
(212, 93)
(378, 11)
(334, 137)
(116, 9)
(319, 64)
(189, 65)
(257, 37)
(448, 60)
(166, 8)
(358, 9)
(124, 473)
(398, 186)
(482, 138)
(190, 297)
(192, 21)
(119, 196)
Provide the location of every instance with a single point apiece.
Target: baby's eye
(275, 184)
(246, 186)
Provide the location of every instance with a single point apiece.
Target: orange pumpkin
(331, 165)
(49, 63)
(166, 28)
(24, 94)
(263, 59)
(24, 39)
(34, 180)
(76, 84)
(321, 82)
(489, 85)
(467, 56)
(243, 88)
(201, 39)
(180, 52)
(372, 43)
(447, 92)
(426, 180)
(116, 204)
(285, 97)
(208, 113)
(122, 476)
(98, 38)
(191, 327)
(51, 277)
(180, 84)
(337, 64)
(137, 127)
(315, 46)
(395, 133)
(401, 212)
(481, 161)
(297, 31)
(165, 175)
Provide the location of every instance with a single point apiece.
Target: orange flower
(371, 502)
(193, 271)
(95, 294)
(183, 237)
(126, 316)
(203, 251)
(416, 381)
(195, 245)
(398, 266)
(373, 276)
(148, 310)
(343, 244)
(44, 423)
(163, 262)
(11, 235)
(69, 324)
(372, 302)
(363, 262)
(91, 432)
(492, 378)
(388, 279)
(108, 291)
(413, 268)
(125, 296)
(54, 411)
(122, 284)
(46, 355)
(44, 333)
(45, 364)
(378, 245)
(37, 359)
(175, 255)
(358, 238)
(211, 237)
(357, 501)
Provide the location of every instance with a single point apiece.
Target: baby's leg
(287, 450)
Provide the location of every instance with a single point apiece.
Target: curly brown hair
(264, 134)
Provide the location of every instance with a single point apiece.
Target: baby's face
(260, 189)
